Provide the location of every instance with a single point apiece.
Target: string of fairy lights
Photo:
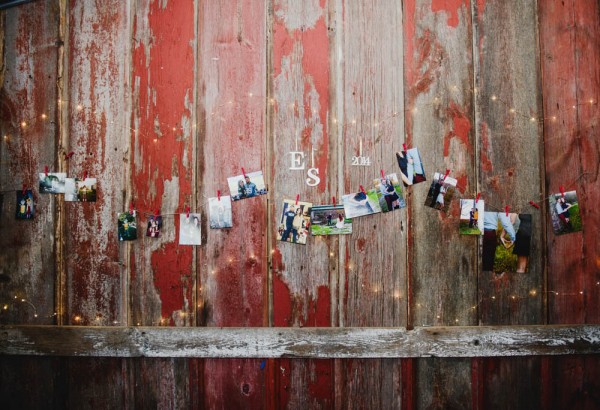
(162, 128)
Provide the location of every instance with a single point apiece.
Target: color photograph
(441, 192)
(361, 204)
(154, 226)
(219, 212)
(389, 193)
(53, 183)
(565, 213)
(329, 220)
(411, 167)
(248, 186)
(190, 230)
(294, 222)
(25, 204)
(127, 226)
(77, 190)
(506, 242)
(471, 217)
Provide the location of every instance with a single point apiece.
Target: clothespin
(362, 190)
(219, 194)
(24, 189)
(84, 175)
(562, 191)
(297, 198)
(187, 212)
(534, 204)
(69, 155)
(157, 213)
(131, 208)
(46, 170)
(244, 173)
(446, 174)
(477, 198)
(333, 201)
(404, 147)
(382, 174)
(506, 210)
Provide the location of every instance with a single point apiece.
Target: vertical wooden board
(162, 276)
(507, 73)
(160, 383)
(233, 263)
(569, 40)
(28, 131)
(299, 106)
(439, 122)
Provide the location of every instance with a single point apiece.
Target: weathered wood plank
(29, 134)
(232, 265)
(455, 341)
(439, 121)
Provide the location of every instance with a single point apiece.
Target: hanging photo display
(329, 220)
(154, 226)
(411, 166)
(190, 230)
(441, 192)
(52, 183)
(127, 226)
(506, 242)
(295, 222)
(389, 193)
(564, 211)
(219, 212)
(361, 204)
(471, 217)
(247, 185)
(80, 190)
(25, 205)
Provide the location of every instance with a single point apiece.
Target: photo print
(565, 214)
(411, 166)
(25, 204)
(329, 220)
(471, 217)
(440, 192)
(154, 226)
(53, 183)
(248, 186)
(219, 211)
(361, 204)
(78, 190)
(295, 222)
(127, 224)
(190, 230)
(389, 193)
(506, 242)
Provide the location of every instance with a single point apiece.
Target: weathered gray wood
(456, 341)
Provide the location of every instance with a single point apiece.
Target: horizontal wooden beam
(320, 343)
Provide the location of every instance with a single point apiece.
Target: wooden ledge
(316, 343)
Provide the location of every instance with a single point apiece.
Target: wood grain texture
(28, 92)
(440, 123)
(232, 265)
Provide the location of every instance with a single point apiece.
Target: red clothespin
(382, 174)
(562, 191)
(131, 208)
(477, 199)
(297, 198)
(46, 170)
(362, 190)
(446, 174)
(24, 189)
(69, 155)
(244, 173)
(187, 212)
(157, 212)
(84, 175)
(506, 210)
(219, 194)
(404, 147)
(333, 201)
(534, 204)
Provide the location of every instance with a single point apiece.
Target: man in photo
(249, 188)
(289, 216)
(562, 210)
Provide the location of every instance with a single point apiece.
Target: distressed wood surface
(570, 58)
(439, 122)
(272, 342)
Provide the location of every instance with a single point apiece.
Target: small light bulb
(532, 119)
(494, 98)
(79, 107)
(44, 116)
(23, 124)
(512, 110)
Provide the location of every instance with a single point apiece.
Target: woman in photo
(340, 222)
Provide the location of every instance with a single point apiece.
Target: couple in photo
(508, 232)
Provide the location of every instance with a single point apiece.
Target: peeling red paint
(461, 129)
(451, 7)
(486, 163)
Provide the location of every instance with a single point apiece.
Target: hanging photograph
(127, 225)
(25, 205)
(389, 193)
(52, 183)
(361, 204)
(219, 212)
(506, 242)
(77, 190)
(247, 186)
(411, 167)
(329, 220)
(471, 217)
(295, 222)
(441, 192)
(190, 232)
(564, 211)
(154, 226)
